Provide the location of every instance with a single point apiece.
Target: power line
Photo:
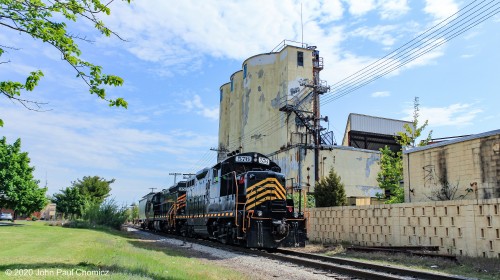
(415, 48)
(425, 44)
(470, 15)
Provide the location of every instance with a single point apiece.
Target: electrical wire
(470, 15)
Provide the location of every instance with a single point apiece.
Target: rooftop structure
(372, 133)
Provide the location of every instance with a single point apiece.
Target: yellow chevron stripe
(267, 193)
(268, 187)
(257, 203)
(249, 189)
(273, 182)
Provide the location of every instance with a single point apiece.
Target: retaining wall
(460, 227)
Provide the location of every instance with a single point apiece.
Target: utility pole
(175, 174)
(221, 153)
(311, 120)
(153, 189)
(318, 88)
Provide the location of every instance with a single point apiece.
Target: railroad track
(363, 270)
(337, 268)
(410, 251)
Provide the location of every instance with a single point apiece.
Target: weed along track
(317, 266)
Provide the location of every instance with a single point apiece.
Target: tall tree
(413, 131)
(46, 21)
(19, 190)
(330, 191)
(391, 164)
(390, 175)
(70, 202)
(94, 189)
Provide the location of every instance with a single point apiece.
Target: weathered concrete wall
(471, 165)
(460, 227)
(224, 111)
(235, 111)
(264, 85)
(251, 120)
(357, 168)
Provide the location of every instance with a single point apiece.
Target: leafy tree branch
(40, 20)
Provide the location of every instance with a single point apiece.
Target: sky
(176, 54)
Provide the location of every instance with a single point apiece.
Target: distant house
(372, 133)
(48, 213)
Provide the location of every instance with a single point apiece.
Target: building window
(232, 84)
(244, 71)
(300, 58)
(220, 95)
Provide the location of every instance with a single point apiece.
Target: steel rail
(403, 272)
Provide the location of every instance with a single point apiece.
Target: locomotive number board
(263, 160)
(243, 159)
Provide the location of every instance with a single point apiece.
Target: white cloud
(381, 94)
(427, 53)
(390, 9)
(360, 7)
(467, 56)
(195, 105)
(440, 9)
(183, 31)
(380, 34)
(179, 37)
(331, 10)
(453, 115)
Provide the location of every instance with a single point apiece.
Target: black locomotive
(241, 200)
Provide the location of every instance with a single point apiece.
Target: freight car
(242, 200)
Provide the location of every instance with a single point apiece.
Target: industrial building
(372, 133)
(462, 168)
(271, 106)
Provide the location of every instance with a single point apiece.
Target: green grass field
(34, 250)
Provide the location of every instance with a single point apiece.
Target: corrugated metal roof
(449, 142)
(359, 122)
(376, 124)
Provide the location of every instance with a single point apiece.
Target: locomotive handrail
(170, 213)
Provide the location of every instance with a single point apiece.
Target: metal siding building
(373, 133)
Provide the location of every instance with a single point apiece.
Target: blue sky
(178, 53)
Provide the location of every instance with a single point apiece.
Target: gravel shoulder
(252, 267)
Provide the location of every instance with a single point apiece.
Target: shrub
(106, 214)
(330, 191)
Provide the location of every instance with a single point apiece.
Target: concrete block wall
(459, 227)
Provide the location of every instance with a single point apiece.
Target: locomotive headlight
(295, 215)
(259, 213)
